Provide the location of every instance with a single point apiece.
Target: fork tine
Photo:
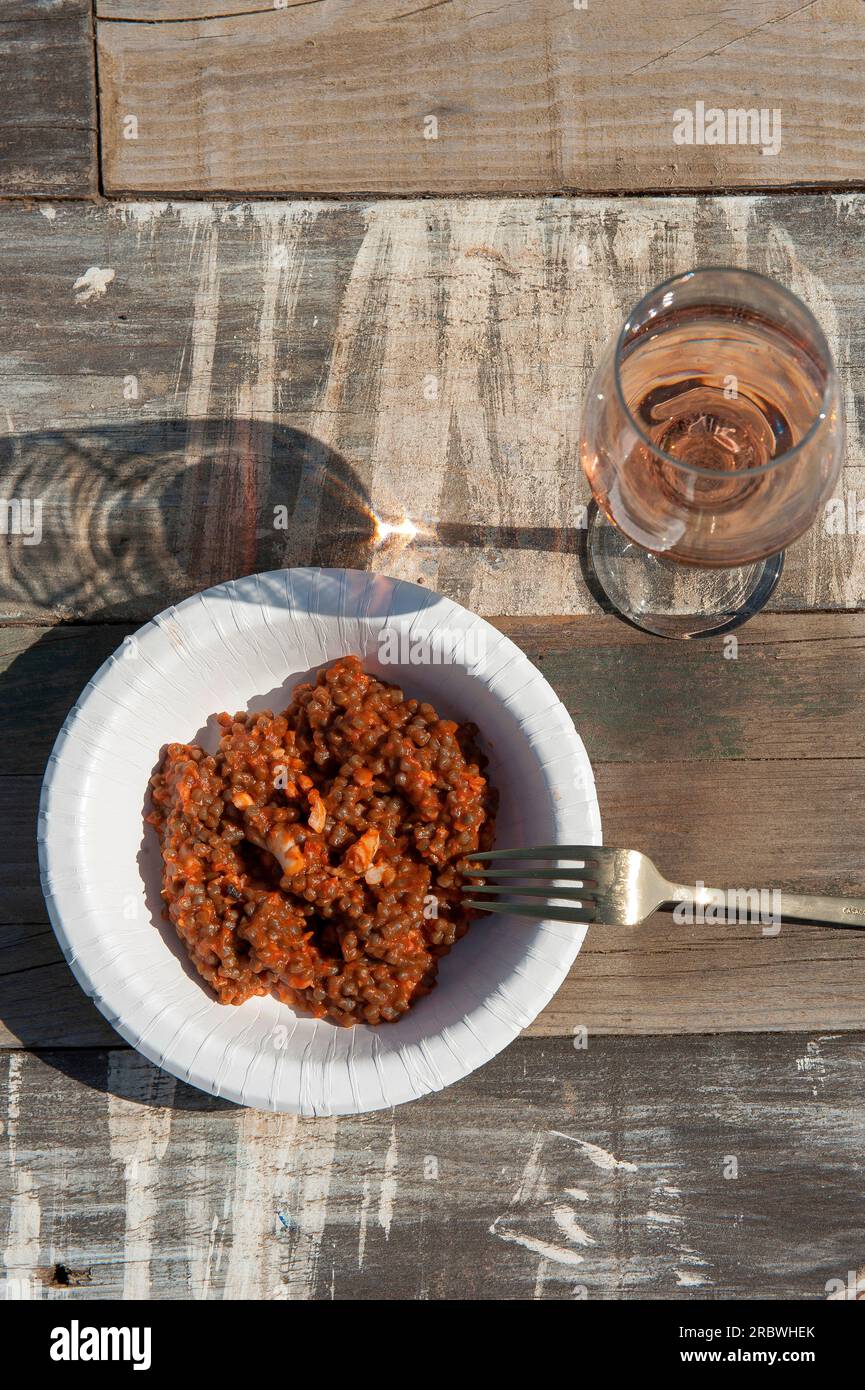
(569, 894)
(539, 852)
(493, 875)
(542, 914)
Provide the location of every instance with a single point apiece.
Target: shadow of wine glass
(135, 517)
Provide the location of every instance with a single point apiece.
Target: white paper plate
(245, 645)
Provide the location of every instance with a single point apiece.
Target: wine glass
(712, 436)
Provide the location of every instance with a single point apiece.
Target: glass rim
(777, 287)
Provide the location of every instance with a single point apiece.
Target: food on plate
(317, 855)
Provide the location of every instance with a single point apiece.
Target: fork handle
(800, 907)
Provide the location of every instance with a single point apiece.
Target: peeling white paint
(139, 1130)
(813, 1062)
(533, 1183)
(21, 1252)
(388, 1186)
(312, 1169)
(205, 315)
(140, 215)
(13, 1101)
(601, 1158)
(206, 1227)
(93, 283)
(690, 1257)
(559, 1254)
(540, 1279)
(363, 1220)
(533, 1206)
(565, 1219)
(265, 1147)
(663, 1218)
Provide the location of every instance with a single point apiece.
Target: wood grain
(742, 772)
(552, 1173)
(48, 113)
(167, 366)
(337, 96)
(634, 699)
(789, 689)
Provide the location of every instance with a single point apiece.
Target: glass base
(669, 599)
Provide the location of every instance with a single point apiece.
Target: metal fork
(622, 887)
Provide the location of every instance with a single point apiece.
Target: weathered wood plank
(338, 96)
(48, 114)
(551, 1173)
(342, 361)
(789, 687)
(176, 10)
(633, 698)
(721, 769)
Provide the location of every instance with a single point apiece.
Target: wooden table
(293, 298)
